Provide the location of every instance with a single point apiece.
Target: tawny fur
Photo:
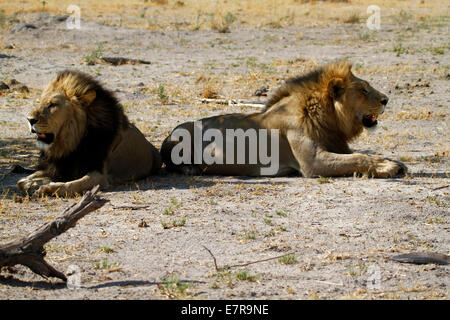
(317, 115)
(93, 139)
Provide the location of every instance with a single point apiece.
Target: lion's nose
(384, 101)
(32, 121)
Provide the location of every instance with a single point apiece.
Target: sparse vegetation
(95, 54)
(174, 204)
(222, 24)
(162, 95)
(353, 18)
(288, 259)
(322, 180)
(173, 223)
(244, 275)
(357, 270)
(251, 235)
(173, 288)
(438, 202)
(399, 49)
(105, 265)
(2, 19)
(106, 250)
(281, 213)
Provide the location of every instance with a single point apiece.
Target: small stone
(262, 91)
(28, 26)
(3, 86)
(24, 89)
(142, 224)
(13, 82)
(61, 18)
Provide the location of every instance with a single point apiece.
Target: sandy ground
(341, 231)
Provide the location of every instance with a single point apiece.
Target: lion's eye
(365, 91)
(51, 106)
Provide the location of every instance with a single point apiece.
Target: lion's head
(332, 101)
(70, 103)
(356, 102)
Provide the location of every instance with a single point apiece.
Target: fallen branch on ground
(218, 269)
(439, 188)
(131, 207)
(423, 258)
(29, 251)
(118, 61)
(235, 103)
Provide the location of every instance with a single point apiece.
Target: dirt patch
(148, 242)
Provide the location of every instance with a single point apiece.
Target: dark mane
(105, 117)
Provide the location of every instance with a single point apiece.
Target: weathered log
(423, 258)
(235, 103)
(118, 61)
(29, 251)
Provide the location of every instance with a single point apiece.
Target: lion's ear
(88, 97)
(336, 88)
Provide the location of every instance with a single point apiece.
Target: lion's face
(366, 102)
(59, 121)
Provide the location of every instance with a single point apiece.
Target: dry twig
(243, 264)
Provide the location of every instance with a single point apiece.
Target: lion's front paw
(53, 188)
(386, 168)
(28, 186)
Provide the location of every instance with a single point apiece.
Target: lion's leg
(74, 187)
(32, 182)
(333, 164)
(315, 161)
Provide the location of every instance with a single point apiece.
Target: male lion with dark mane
(315, 117)
(85, 139)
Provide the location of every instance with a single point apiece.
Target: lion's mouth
(370, 120)
(45, 137)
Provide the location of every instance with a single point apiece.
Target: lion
(85, 139)
(312, 119)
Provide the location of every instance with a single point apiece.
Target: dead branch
(118, 61)
(131, 207)
(423, 258)
(214, 258)
(439, 188)
(235, 103)
(29, 251)
(258, 261)
(243, 264)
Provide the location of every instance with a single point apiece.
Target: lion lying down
(85, 139)
(306, 127)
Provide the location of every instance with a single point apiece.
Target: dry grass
(219, 15)
(353, 18)
(422, 114)
(209, 91)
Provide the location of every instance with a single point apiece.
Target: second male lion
(315, 116)
(85, 139)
